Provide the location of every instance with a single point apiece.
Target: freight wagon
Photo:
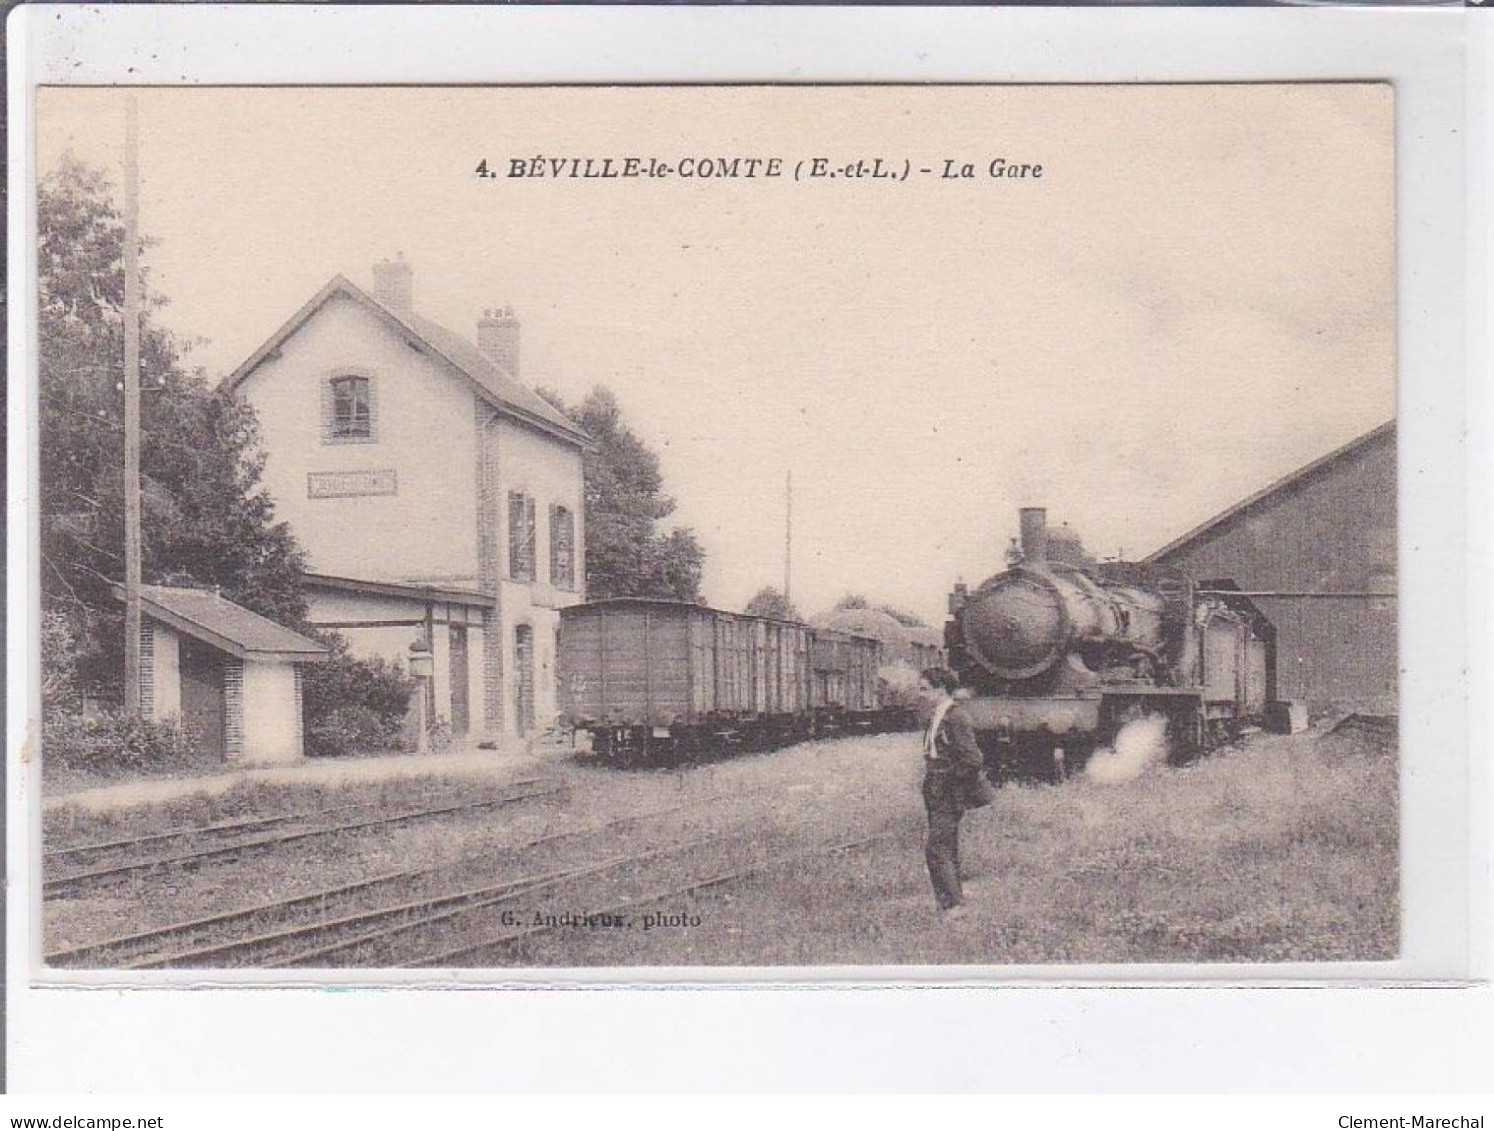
(653, 678)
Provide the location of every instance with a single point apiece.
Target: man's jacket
(954, 745)
(950, 749)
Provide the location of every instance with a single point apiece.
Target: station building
(439, 500)
(1325, 537)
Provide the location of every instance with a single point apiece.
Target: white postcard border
(1420, 51)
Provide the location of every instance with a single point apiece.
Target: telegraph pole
(788, 536)
(132, 406)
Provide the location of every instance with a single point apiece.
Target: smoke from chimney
(498, 338)
(394, 284)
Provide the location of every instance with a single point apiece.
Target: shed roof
(1268, 493)
(215, 620)
(501, 388)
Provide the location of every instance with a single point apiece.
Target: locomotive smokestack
(1034, 534)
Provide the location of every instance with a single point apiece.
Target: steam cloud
(1141, 743)
(900, 676)
(899, 684)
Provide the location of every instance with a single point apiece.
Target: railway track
(427, 939)
(73, 881)
(378, 922)
(692, 887)
(70, 851)
(447, 913)
(179, 944)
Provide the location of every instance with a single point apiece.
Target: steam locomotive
(1060, 656)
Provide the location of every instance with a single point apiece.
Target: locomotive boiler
(1059, 656)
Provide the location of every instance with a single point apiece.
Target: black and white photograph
(699, 527)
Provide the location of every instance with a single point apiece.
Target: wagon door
(580, 665)
(728, 697)
(671, 654)
(771, 652)
(868, 667)
(803, 693)
(702, 665)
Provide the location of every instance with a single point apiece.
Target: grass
(73, 824)
(1282, 851)
(60, 777)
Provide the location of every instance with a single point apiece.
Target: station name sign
(347, 484)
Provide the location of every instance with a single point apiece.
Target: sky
(1195, 298)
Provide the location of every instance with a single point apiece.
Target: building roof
(215, 620)
(866, 622)
(409, 590)
(1267, 494)
(499, 387)
(925, 635)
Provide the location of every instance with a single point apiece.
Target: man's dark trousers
(941, 797)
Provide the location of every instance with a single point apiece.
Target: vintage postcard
(574, 528)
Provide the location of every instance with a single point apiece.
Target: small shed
(230, 674)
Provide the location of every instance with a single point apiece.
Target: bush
(60, 651)
(355, 706)
(349, 730)
(111, 742)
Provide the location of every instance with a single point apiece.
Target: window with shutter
(562, 548)
(521, 532)
(516, 536)
(531, 531)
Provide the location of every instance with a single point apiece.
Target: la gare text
(541, 167)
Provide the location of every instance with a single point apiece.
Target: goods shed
(1322, 543)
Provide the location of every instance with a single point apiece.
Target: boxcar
(651, 677)
(844, 692)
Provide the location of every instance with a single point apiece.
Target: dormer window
(348, 409)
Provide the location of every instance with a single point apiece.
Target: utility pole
(132, 406)
(788, 537)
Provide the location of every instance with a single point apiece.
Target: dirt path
(489, 766)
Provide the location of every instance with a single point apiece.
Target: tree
(1065, 545)
(206, 519)
(626, 555)
(768, 602)
(903, 617)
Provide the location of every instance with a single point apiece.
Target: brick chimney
(498, 338)
(394, 283)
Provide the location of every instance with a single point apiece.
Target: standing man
(953, 781)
